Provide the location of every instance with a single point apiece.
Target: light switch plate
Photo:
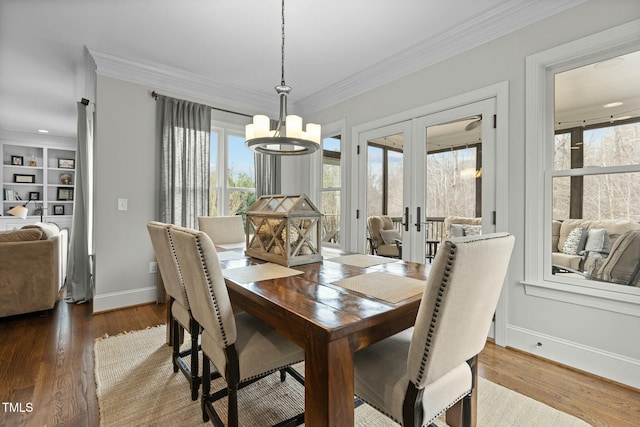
(122, 204)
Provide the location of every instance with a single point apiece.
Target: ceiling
(335, 49)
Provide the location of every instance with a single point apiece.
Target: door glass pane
(331, 187)
(385, 187)
(454, 173)
(374, 181)
(394, 192)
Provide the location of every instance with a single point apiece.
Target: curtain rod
(155, 95)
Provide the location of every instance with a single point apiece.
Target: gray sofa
(32, 270)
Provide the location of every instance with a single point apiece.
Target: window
(588, 168)
(588, 181)
(331, 184)
(384, 183)
(232, 180)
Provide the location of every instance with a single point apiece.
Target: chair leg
(176, 343)
(412, 406)
(233, 381)
(206, 385)
(195, 379)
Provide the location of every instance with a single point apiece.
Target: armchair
(384, 239)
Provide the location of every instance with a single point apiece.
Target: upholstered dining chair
(223, 230)
(416, 375)
(178, 305)
(242, 348)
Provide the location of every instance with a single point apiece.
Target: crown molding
(162, 77)
(498, 22)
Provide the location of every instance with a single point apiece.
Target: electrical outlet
(153, 267)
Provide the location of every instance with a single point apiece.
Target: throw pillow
(582, 243)
(456, 230)
(598, 241)
(472, 230)
(20, 235)
(573, 240)
(389, 236)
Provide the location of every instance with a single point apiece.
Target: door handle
(406, 219)
(417, 224)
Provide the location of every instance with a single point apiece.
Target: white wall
(126, 166)
(590, 339)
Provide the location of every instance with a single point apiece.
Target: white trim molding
(114, 300)
(609, 365)
(540, 71)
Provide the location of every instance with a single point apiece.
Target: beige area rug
(361, 260)
(136, 386)
(254, 273)
(384, 286)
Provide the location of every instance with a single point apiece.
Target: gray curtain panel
(79, 281)
(184, 172)
(267, 174)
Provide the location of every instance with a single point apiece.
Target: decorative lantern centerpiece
(284, 230)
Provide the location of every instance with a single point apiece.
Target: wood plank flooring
(47, 371)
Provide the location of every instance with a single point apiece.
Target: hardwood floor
(47, 371)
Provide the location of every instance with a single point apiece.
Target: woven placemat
(255, 273)
(360, 260)
(384, 286)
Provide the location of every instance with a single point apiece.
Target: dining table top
(332, 309)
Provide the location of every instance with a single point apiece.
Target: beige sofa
(459, 226)
(578, 261)
(32, 270)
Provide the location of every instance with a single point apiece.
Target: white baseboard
(612, 366)
(122, 299)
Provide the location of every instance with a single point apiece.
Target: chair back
(223, 230)
(210, 305)
(458, 304)
(162, 247)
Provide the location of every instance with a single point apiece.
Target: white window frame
(224, 130)
(540, 71)
(329, 130)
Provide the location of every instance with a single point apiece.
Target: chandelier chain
(282, 48)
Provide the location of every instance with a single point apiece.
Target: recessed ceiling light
(43, 131)
(612, 104)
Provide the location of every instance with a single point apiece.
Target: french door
(421, 170)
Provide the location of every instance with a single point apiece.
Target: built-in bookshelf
(41, 176)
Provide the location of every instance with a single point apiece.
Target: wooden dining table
(329, 321)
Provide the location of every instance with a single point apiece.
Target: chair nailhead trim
(175, 260)
(436, 310)
(216, 307)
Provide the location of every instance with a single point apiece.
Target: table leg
(329, 388)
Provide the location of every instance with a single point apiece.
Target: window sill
(615, 300)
